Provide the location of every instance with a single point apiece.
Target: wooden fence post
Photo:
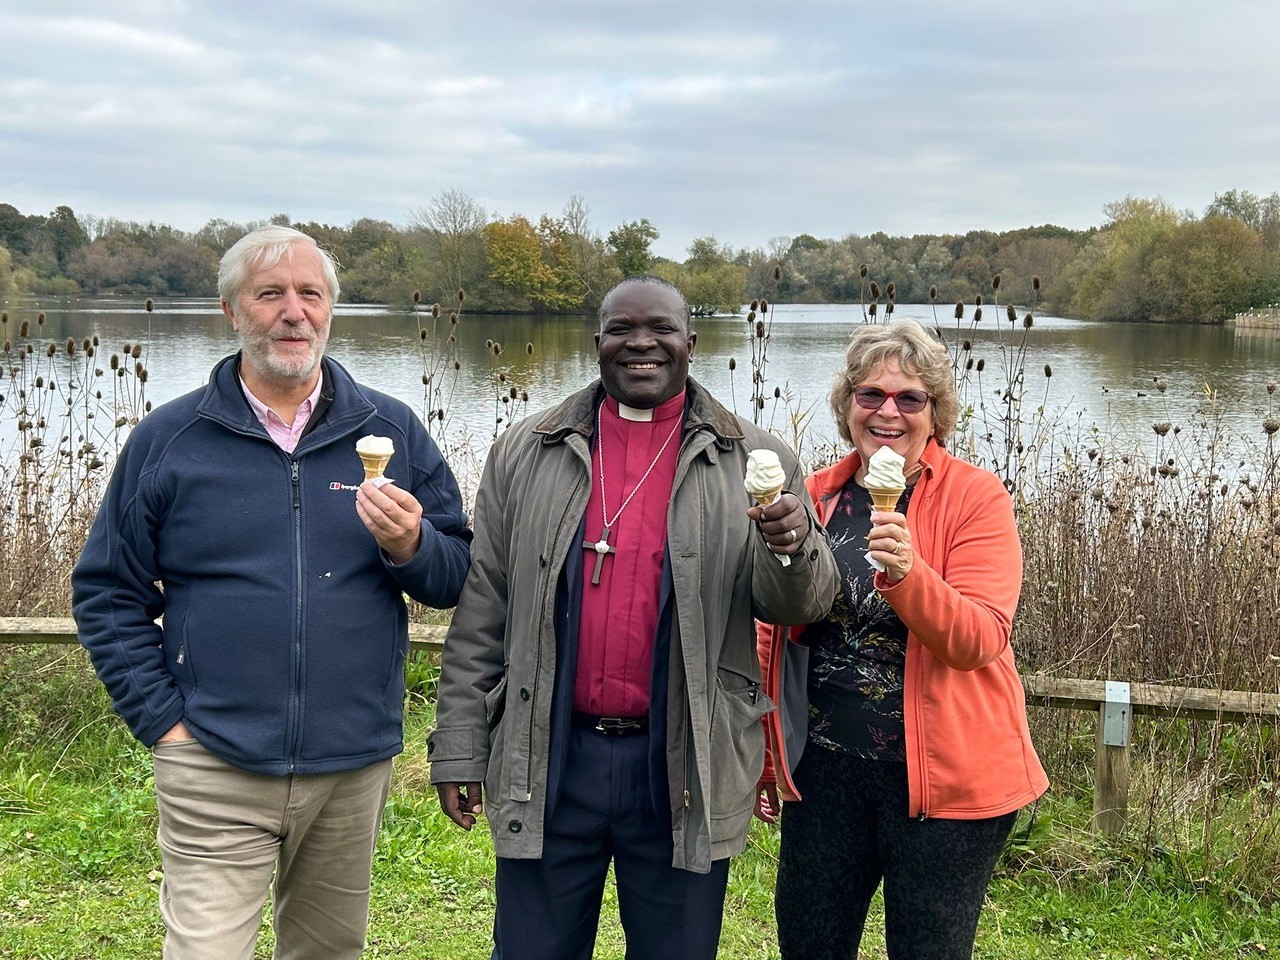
(1111, 765)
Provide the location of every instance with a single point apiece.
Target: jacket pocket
(450, 743)
(737, 752)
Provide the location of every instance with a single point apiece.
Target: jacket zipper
(295, 696)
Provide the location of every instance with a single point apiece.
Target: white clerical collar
(634, 414)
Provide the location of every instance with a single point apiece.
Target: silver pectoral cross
(601, 547)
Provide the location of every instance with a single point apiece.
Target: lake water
(1103, 374)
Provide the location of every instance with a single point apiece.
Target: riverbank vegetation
(1152, 555)
(1147, 261)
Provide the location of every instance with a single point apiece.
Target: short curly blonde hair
(917, 353)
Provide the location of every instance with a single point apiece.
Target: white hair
(262, 249)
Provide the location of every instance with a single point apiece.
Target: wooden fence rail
(1111, 763)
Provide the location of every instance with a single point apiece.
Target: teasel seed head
(1161, 428)
(513, 393)
(453, 318)
(875, 290)
(71, 347)
(777, 271)
(40, 320)
(959, 310)
(488, 344)
(1048, 371)
(1035, 283)
(528, 348)
(733, 364)
(457, 365)
(968, 364)
(977, 314)
(1270, 425)
(24, 329)
(977, 300)
(435, 311)
(502, 377)
(891, 290)
(872, 310)
(933, 293)
(862, 271)
(149, 305)
(760, 329)
(751, 314)
(137, 351)
(982, 363)
(1271, 386)
(417, 297)
(1093, 453)
(426, 380)
(422, 334)
(755, 305)
(764, 305)
(39, 383)
(115, 361)
(995, 282)
(497, 349)
(51, 349)
(1027, 321)
(142, 375)
(760, 402)
(966, 345)
(1011, 312)
(440, 414)
(462, 295)
(1162, 385)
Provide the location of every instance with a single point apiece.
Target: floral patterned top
(858, 653)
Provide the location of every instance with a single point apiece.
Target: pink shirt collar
(285, 435)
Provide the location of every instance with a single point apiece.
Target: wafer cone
(766, 498)
(374, 465)
(885, 499)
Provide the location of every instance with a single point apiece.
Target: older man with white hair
(272, 693)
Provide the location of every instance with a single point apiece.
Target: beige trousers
(224, 832)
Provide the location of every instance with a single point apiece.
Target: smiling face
(906, 433)
(282, 316)
(644, 344)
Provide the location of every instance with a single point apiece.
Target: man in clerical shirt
(272, 695)
(600, 676)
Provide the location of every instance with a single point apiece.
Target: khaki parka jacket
(497, 671)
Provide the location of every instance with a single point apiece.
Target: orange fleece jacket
(969, 752)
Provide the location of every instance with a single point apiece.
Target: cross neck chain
(604, 509)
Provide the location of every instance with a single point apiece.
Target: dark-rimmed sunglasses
(907, 401)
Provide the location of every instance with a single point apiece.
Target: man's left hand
(393, 516)
(784, 523)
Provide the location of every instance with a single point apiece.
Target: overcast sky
(743, 119)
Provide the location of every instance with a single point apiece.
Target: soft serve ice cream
(375, 453)
(765, 476)
(764, 481)
(885, 479)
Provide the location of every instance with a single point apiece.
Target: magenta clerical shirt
(619, 616)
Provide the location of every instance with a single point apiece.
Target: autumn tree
(630, 246)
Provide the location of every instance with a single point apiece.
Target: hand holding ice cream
(764, 481)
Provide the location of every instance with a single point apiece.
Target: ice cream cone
(374, 464)
(885, 499)
(766, 498)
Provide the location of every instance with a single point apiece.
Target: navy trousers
(548, 909)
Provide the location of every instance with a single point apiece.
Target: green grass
(79, 871)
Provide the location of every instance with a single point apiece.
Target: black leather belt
(613, 726)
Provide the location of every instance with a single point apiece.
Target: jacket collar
(224, 402)
(576, 414)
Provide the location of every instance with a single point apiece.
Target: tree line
(1147, 261)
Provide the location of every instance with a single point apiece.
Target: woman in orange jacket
(901, 740)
